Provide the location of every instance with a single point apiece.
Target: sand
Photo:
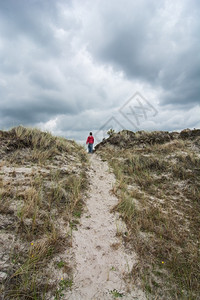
(100, 258)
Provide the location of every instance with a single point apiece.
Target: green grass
(116, 294)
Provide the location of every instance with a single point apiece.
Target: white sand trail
(101, 267)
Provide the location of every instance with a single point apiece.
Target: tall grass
(42, 146)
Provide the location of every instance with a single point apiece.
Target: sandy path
(100, 268)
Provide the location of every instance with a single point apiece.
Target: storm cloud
(69, 66)
(155, 42)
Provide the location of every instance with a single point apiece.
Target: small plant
(63, 285)
(117, 294)
(60, 264)
(110, 132)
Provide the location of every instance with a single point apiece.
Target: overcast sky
(74, 66)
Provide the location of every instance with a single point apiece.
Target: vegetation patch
(158, 176)
(116, 294)
(43, 182)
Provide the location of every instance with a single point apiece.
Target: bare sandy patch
(101, 260)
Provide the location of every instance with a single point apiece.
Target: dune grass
(42, 186)
(158, 188)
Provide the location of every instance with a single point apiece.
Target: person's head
(90, 133)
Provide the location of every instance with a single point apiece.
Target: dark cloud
(156, 43)
(34, 110)
(28, 18)
(68, 66)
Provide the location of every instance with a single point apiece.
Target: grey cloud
(35, 21)
(125, 40)
(43, 81)
(25, 18)
(149, 44)
(73, 63)
(35, 85)
(181, 81)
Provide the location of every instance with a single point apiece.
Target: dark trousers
(90, 148)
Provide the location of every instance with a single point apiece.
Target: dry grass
(42, 186)
(158, 187)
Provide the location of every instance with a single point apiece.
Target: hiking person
(90, 142)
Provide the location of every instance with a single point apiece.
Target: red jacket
(90, 140)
